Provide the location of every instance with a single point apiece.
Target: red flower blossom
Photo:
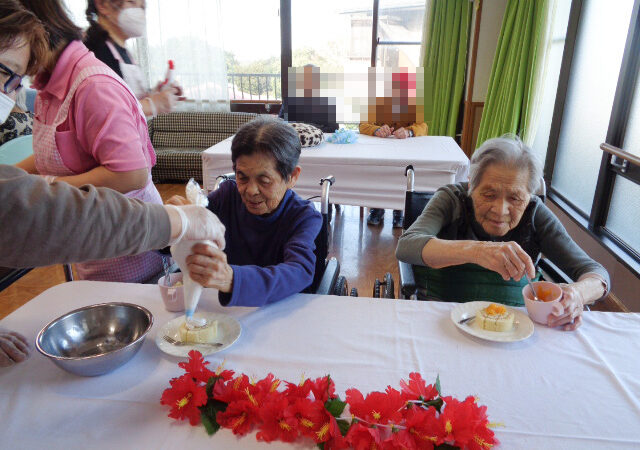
(236, 389)
(195, 367)
(240, 417)
(400, 439)
(300, 390)
(184, 397)
(460, 420)
(323, 388)
(308, 414)
(277, 422)
(329, 433)
(417, 389)
(377, 407)
(424, 427)
(267, 385)
(361, 437)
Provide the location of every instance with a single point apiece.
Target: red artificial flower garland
(415, 417)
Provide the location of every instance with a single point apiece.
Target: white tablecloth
(556, 389)
(369, 172)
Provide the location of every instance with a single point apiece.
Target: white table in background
(556, 389)
(368, 173)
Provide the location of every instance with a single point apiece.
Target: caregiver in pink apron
(89, 128)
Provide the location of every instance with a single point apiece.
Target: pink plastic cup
(172, 296)
(539, 310)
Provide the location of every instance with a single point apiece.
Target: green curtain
(445, 64)
(512, 75)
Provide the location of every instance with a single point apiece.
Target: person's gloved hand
(198, 224)
(165, 99)
(567, 313)
(14, 348)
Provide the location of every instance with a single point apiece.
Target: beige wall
(490, 23)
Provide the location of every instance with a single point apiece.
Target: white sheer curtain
(188, 32)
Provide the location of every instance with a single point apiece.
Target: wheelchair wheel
(376, 289)
(354, 292)
(388, 286)
(341, 287)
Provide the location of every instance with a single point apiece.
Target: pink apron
(48, 161)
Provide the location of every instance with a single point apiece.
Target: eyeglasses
(13, 82)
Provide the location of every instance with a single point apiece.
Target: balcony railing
(254, 86)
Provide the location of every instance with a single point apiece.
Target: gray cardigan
(449, 215)
(42, 224)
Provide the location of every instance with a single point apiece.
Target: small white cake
(199, 334)
(495, 318)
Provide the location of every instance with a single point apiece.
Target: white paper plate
(522, 325)
(229, 330)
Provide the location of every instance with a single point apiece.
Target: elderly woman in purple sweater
(270, 230)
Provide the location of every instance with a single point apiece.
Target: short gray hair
(271, 136)
(507, 150)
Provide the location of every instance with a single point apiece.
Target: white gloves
(199, 224)
(14, 348)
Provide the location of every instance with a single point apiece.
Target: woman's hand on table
(14, 348)
(208, 266)
(506, 258)
(568, 312)
(384, 131)
(401, 133)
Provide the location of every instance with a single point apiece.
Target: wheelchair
(326, 279)
(414, 204)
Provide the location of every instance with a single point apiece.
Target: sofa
(179, 137)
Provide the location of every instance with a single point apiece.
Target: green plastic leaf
(320, 445)
(436, 403)
(335, 406)
(210, 384)
(438, 385)
(343, 425)
(208, 415)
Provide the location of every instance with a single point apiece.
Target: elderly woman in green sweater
(478, 240)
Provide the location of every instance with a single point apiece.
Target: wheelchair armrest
(407, 280)
(552, 273)
(329, 277)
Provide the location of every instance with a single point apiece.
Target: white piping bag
(181, 250)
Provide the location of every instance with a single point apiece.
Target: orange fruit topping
(494, 310)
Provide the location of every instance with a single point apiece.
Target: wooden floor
(364, 253)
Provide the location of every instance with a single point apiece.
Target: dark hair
(56, 21)
(95, 32)
(271, 136)
(16, 23)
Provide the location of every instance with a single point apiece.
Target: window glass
(624, 213)
(632, 136)
(333, 34)
(592, 85)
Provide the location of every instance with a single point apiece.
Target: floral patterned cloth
(17, 124)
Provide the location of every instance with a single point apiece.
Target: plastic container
(172, 296)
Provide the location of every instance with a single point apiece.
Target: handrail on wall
(627, 158)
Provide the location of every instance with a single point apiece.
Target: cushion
(17, 124)
(309, 135)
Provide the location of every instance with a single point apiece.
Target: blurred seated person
(394, 115)
(270, 231)
(479, 240)
(304, 103)
(112, 22)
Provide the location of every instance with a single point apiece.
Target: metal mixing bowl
(96, 339)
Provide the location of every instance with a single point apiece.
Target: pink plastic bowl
(539, 310)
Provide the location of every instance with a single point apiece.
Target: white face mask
(132, 22)
(6, 105)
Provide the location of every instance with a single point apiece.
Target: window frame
(611, 166)
(375, 39)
